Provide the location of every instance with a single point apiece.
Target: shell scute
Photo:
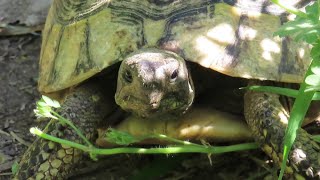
(79, 50)
(229, 39)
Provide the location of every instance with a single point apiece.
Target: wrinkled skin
(154, 82)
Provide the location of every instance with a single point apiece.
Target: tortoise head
(153, 82)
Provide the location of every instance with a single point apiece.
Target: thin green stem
(281, 91)
(177, 141)
(179, 149)
(40, 133)
(276, 90)
(63, 120)
(299, 110)
(166, 150)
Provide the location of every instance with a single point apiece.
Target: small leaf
(276, 90)
(315, 54)
(120, 137)
(316, 70)
(312, 88)
(15, 168)
(93, 156)
(316, 138)
(41, 104)
(44, 109)
(312, 11)
(303, 28)
(313, 80)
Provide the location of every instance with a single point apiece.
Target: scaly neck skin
(153, 83)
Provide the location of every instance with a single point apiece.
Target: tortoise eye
(127, 76)
(174, 75)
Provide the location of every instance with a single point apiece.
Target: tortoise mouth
(144, 109)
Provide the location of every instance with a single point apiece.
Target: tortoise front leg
(85, 106)
(268, 121)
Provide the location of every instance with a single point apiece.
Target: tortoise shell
(81, 38)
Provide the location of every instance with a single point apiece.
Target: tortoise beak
(155, 99)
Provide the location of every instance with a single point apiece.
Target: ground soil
(18, 93)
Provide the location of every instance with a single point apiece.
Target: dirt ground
(18, 94)
(18, 76)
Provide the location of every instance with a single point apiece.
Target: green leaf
(303, 28)
(312, 88)
(15, 168)
(120, 137)
(315, 54)
(316, 138)
(41, 104)
(299, 110)
(276, 90)
(93, 156)
(312, 11)
(313, 80)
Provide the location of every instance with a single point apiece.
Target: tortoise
(82, 41)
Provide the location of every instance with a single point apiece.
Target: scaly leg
(266, 118)
(86, 106)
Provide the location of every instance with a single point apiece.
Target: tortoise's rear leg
(86, 106)
(266, 117)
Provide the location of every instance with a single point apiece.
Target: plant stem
(62, 119)
(38, 132)
(167, 150)
(299, 110)
(177, 141)
(178, 149)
